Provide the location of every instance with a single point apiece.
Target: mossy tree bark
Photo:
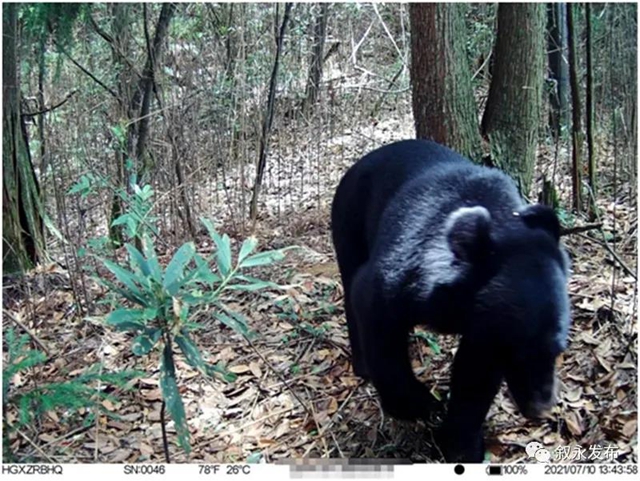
(23, 240)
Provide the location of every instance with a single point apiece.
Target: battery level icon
(494, 470)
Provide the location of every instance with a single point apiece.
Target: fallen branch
(615, 255)
(281, 377)
(579, 228)
(28, 331)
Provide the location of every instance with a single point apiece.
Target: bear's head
(519, 309)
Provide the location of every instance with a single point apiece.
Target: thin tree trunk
(121, 36)
(268, 118)
(558, 66)
(317, 55)
(41, 118)
(590, 142)
(443, 104)
(512, 115)
(142, 99)
(576, 174)
(231, 47)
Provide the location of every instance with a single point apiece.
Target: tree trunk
(576, 174)
(317, 56)
(142, 98)
(444, 108)
(512, 116)
(559, 67)
(22, 221)
(231, 47)
(590, 141)
(41, 105)
(121, 35)
(268, 118)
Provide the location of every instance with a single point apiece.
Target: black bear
(424, 236)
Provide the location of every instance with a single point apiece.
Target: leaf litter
(295, 394)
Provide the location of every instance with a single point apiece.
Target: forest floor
(295, 395)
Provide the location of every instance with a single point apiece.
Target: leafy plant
(137, 219)
(431, 340)
(566, 218)
(88, 184)
(69, 396)
(162, 300)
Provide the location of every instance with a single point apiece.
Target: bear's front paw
(461, 447)
(409, 404)
(360, 369)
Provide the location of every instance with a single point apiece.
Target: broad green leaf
(190, 351)
(184, 312)
(80, 186)
(123, 219)
(223, 255)
(53, 229)
(127, 319)
(128, 295)
(430, 339)
(176, 266)
(138, 259)
(129, 279)
(235, 324)
(143, 343)
(150, 313)
(119, 134)
(247, 248)
(242, 320)
(434, 345)
(197, 298)
(209, 225)
(221, 370)
(145, 193)
(203, 272)
(152, 259)
(223, 248)
(172, 398)
(263, 258)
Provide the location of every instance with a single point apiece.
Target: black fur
(424, 236)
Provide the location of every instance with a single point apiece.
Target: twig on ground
(579, 228)
(28, 331)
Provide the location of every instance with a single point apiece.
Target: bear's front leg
(387, 356)
(475, 381)
(384, 341)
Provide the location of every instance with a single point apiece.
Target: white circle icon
(543, 455)
(532, 448)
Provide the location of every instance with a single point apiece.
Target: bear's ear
(467, 230)
(540, 216)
